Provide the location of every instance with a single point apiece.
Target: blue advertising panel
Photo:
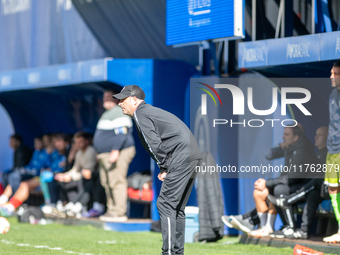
(330, 46)
(252, 54)
(290, 50)
(304, 49)
(277, 51)
(197, 20)
(75, 73)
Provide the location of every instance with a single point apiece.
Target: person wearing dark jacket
(310, 192)
(298, 151)
(22, 154)
(12, 180)
(115, 146)
(172, 146)
(57, 165)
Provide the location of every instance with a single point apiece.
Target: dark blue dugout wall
(67, 98)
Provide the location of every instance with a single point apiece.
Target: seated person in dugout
(22, 153)
(48, 183)
(40, 160)
(58, 162)
(310, 193)
(22, 156)
(48, 143)
(76, 185)
(297, 150)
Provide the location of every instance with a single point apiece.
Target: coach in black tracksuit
(171, 144)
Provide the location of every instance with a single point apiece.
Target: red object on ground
(144, 194)
(1, 189)
(303, 250)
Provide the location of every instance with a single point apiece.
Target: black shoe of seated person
(297, 234)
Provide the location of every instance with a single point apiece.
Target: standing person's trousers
(113, 179)
(173, 197)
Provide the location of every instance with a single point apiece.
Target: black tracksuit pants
(310, 193)
(173, 197)
(312, 202)
(286, 214)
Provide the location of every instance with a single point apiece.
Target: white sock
(60, 206)
(263, 218)
(98, 207)
(77, 207)
(3, 199)
(10, 208)
(69, 206)
(339, 230)
(270, 221)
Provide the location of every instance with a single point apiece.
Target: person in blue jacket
(12, 179)
(58, 164)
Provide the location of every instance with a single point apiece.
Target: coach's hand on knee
(161, 176)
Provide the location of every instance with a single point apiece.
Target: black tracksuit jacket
(299, 154)
(165, 137)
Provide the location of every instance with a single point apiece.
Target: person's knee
(24, 186)
(14, 177)
(163, 205)
(33, 183)
(281, 190)
(257, 194)
(117, 181)
(277, 191)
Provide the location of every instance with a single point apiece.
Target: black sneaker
(283, 232)
(278, 201)
(298, 234)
